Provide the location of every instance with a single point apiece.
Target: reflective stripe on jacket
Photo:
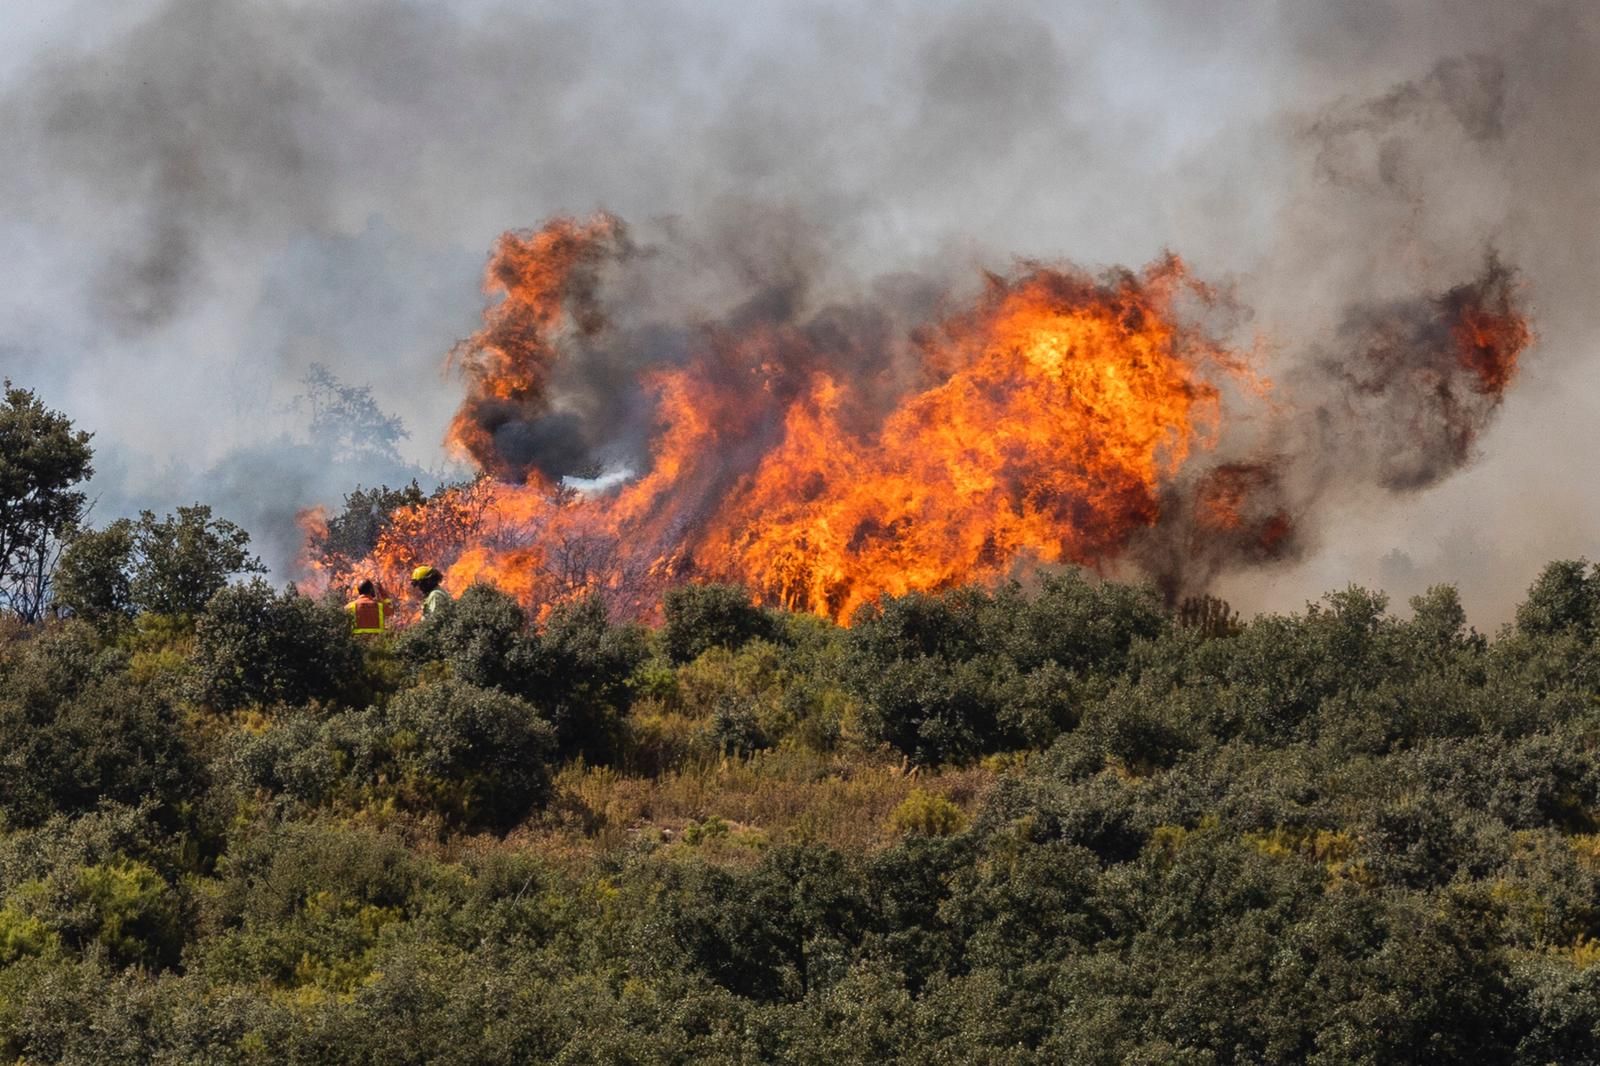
(368, 613)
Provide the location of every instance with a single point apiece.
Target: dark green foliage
(181, 561)
(170, 566)
(1327, 837)
(107, 885)
(736, 727)
(920, 668)
(1082, 627)
(774, 933)
(699, 617)
(42, 459)
(1439, 621)
(1562, 1004)
(584, 665)
(475, 754)
(1565, 599)
(75, 734)
(475, 757)
(255, 646)
(92, 580)
(575, 669)
(952, 675)
(484, 638)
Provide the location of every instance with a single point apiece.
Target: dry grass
(788, 795)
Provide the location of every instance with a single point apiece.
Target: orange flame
(1050, 423)
(1069, 404)
(547, 277)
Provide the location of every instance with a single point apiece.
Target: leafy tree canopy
(171, 565)
(42, 458)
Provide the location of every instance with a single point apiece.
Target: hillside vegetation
(980, 826)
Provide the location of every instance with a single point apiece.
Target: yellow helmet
(422, 573)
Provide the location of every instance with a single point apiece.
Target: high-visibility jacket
(434, 602)
(371, 615)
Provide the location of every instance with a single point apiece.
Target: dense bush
(475, 754)
(75, 733)
(575, 668)
(255, 646)
(952, 675)
(1564, 599)
(92, 580)
(483, 638)
(927, 814)
(701, 617)
(172, 565)
(476, 757)
(581, 677)
(1332, 836)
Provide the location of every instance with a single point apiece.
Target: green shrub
(123, 907)
(23, 935)
(169, 566)
(484, 638)
(580, 681)
(700, 617)
(476, 757)
(92, 580)
(927, 814)
(951, 676)
(255, 646)
(77, 733)
(1565, 597)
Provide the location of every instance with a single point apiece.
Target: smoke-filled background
(202, 204)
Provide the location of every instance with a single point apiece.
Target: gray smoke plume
(201, 201)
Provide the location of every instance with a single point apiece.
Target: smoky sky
(200, 201)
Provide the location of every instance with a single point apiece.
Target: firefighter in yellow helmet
(369, 611)
(426, 580)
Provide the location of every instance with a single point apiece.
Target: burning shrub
(825, 456)
(353, 533)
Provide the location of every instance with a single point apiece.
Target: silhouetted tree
(347, 421)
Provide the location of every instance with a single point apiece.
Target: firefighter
(369, 612)
(426, 580)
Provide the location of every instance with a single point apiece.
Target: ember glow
(1058, 419)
